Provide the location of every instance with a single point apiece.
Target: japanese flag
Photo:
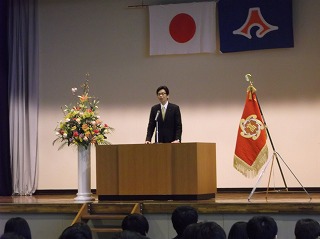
(182, 28)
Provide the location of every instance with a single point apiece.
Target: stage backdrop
(111, 42)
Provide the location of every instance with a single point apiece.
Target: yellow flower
(85, 127)
(81, 124)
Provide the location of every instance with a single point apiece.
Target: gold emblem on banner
(251, 127)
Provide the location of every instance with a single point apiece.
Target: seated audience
(11, 235)
(129, 235)
(135, 222)
(238, 231)
(181, 217)
(191, 231)
(78, 230)
(211, 230)
(307, 229)
(18, 226)
(204, 230)
(262, 227)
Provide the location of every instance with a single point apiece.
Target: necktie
(163, 111)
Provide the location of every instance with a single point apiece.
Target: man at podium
(168, 118)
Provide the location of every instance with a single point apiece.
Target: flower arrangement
(81, 124)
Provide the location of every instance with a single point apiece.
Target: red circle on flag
(182, 28)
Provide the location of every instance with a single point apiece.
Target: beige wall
(110, 41)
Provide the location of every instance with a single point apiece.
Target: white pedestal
(84, 175)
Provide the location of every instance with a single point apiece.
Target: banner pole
(259, 179)
(272, 145)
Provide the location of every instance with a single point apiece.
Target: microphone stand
(157, 127)
(157, 132)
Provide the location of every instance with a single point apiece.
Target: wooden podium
(185, 171)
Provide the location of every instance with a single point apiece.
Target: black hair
(191, 231)
(78, 230)
(135, 222)
(204, 230)
(19, 226)
(238, 231)
(262, 227)
(11, 235)
(307, 229)
(129, 235)
(183, 216)
(211, 230)
(163, 87)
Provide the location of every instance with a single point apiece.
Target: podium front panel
(156, 171)
(145, 169)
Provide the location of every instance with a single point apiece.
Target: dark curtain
(23, 94)
(5, 169)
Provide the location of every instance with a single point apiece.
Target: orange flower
(84, 98)
(81, 124)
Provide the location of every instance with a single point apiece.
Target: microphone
(157, 115)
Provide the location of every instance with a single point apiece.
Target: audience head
(307, 229)
(11, 235)
(135, 222)
(204, 230)
(262, 227)
(183, 216)
(78, 230)
(129, 235)
(18, 226)
(238, 231)
(191, 231)
(211, 230)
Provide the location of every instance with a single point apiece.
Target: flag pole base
(259, 178)
(275, 156)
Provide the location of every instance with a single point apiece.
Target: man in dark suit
(169, 119)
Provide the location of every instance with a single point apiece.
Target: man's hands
(173, 142)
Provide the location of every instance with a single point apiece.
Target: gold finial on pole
(248, 78)
(250, 89)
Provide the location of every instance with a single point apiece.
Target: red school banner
(251, 151)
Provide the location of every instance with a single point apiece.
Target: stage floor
(273, 202)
